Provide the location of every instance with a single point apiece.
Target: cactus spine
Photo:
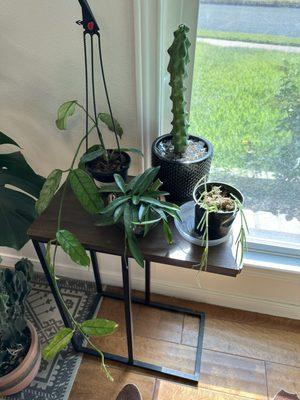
(179, 59)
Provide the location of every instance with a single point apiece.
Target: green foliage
(58, 343)
(234, 105)
(179, 59)
(65, 111)
(17, 208)
(139, 207)
(92, 153)
(113, 126)
(71, 245)
(98, 327)
(48, 190)
(14, 289)
(250, 37)
(85, 190)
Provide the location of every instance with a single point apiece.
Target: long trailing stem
(75, 324)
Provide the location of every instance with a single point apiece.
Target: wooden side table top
(110, 239)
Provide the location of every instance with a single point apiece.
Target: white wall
(42, 66)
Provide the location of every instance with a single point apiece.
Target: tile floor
(246, 355)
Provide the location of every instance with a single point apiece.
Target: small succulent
(138, 205)
(14, 289)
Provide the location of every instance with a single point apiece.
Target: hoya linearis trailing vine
(179, 59)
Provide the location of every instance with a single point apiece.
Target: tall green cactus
(14, 289)
(179, 59)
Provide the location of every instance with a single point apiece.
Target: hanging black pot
(180, 177)
(107, 176)
(219, 223)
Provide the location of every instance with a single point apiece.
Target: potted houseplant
(20, 186)
(20, 353)
(216, 207)
(100, 162)
(183, 158)
(137, 207)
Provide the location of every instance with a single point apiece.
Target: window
(246, 101)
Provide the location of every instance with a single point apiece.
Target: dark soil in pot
(219, 223)
(180, 173)
(104, 171)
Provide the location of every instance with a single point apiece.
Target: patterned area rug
(55, 378)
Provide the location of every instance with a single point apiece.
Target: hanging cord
(106, 91)
(86, 92)
(94, 95)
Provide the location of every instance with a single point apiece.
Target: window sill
(269, 262)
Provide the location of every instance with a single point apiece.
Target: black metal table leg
(147, 281)
(41, 252)
(127, 305)
(96, 271)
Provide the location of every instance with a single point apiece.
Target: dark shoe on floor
(129, 392)
(282, 395)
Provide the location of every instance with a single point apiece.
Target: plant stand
(110, 240)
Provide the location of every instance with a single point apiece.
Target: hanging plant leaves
(134, 250)
(71, 245)
(48, 190)
(98, 327)
(58, 343)
(66, 110)
(4, 139)
(86, 191)
(92, 153)
(114, 204)
(17, 214)
(106, 119)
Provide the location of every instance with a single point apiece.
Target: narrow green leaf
(92, 155)
(145, 180)
(127, 218)
(160, 212)
(98, 327)
(114, 204)
(66, 110)
(149, 222)
(86, 191)
(4, 139)
(106, 119)
(161, 204)
(135, 200)
(134, 249)
(110, 189)
(71, 245)
(57, 343)
(120, 182)
(132, 150)
(167, 232)
(156, 185)
(118, 213)
(142, 211)
(48, 191)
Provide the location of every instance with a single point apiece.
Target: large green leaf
(15, 171)
(17, 213)
(86, 191)
(57, 343)
(92, 153)
(48, 190)
(167, 232)
(98, 327)
(71, 245)
(134, 249)
(4, 139)
(66, 110)
(106, 119)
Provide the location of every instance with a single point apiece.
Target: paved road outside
(250, 19)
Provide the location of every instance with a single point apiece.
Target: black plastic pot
(108, 177)
(219, 223)
(179, 178)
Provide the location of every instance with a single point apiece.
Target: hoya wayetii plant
(14, 340)
(68, 108)
(213, 200)
(87, 194)
(138, 206)
(179, 59)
